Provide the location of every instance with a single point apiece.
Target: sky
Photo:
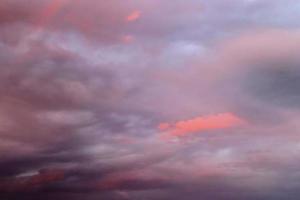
(149, 99)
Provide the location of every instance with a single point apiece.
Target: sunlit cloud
(133, 16)
(200, 124)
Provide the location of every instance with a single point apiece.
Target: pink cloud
(133, 16)
(259, 46)
(203, 123)
(52, 9)
(127, 39)
(131, 180)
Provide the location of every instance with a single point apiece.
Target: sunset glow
(199, 124)
(149, 99)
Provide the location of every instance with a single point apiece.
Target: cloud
(84, 84)
(134, 180)
(128, 39)
(51, 10)
(133, 16)
(30, 183)
(262, 65)
(199, 124)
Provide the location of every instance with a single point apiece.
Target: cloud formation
(199, 124)
(133, 16)
(85, 86)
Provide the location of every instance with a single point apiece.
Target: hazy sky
(149, 99)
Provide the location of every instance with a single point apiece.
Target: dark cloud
(276, 85)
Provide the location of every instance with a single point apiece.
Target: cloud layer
(149, 99)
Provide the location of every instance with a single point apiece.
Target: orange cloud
(219, 121)
(133, 16)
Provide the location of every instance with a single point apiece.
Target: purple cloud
(85, 84)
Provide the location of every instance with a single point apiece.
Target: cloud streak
(201, 124)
